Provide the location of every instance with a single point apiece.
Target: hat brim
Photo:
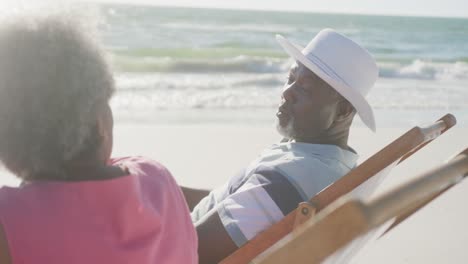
(361, 105)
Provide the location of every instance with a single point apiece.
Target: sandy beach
(205, 156)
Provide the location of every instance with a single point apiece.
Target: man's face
(309, 105)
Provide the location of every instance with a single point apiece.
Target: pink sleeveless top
(139, 218)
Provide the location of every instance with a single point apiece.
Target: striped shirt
(273, 185)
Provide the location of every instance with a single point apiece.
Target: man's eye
(303, 90)
(290, 79)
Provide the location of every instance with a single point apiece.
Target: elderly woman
(76, 204)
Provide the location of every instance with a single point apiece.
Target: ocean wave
(240, 60)
(227, 65)
(220, 51)
(425, 70)
(139, 92)
(255, 98)
(136, 83)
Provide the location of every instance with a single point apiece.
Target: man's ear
(345, 110)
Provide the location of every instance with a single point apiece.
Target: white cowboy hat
(343, 64)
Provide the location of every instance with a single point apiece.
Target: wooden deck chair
(343, 226)
(372, 171)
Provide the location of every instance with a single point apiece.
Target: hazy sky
(449, 8)
(445, 8)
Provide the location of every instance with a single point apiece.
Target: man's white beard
(288, 130)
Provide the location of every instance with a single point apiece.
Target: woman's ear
(105, 120)
(101, 124)
(104, 127)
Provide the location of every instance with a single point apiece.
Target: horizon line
(107, 2)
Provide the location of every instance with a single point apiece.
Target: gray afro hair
(53, 78)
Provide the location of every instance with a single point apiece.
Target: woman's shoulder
(138, 162)
(143, 166)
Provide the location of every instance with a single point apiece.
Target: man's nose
(288, 93)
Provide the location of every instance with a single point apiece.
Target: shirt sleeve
(264, 199)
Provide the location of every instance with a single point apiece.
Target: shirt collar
(348, 158)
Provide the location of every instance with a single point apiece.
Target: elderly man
(326, 87)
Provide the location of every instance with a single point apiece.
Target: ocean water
(182, 65)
